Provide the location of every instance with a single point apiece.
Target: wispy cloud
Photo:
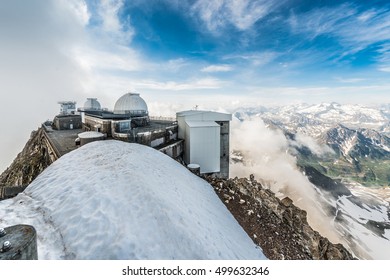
(79, 9)
(217, 68)
(122, 59)
(343, 94)
(353, 28)
(242, 14)
(108, 11)
(349, 80)
(196, 84)
(384, 58)
(254, 58)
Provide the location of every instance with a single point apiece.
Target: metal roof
(202, 124)
(130, 102)
(92, 103)
(204, 115)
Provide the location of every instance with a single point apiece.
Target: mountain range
(342, 153)
(342, 141)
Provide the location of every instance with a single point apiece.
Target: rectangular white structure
(202, 145)
(206, 138)
(195, 115)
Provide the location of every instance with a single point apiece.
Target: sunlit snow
(115, 200)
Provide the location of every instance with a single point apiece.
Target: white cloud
(79, 8)
(265, 155)
(242, 14)
(203, 83)
(350, 80)
(369, 94)
(355, 30)
(35, 71)
(217, 68)
(174, 65)
(108, 11)
(255, 58)
(309, 142)
(384, 68)
(122, 59)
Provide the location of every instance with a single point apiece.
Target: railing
(52, 145)
(160, 118)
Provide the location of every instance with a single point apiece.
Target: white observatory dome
(131, 103)
(92, 103)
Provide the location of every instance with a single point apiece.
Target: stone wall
(97, 124)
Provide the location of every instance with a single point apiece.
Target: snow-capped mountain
(358, 143)
(315, 119)
(356, 134)
(347, 150)
(110, 200)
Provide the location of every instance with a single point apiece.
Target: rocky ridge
(277, 226)
(28, 164)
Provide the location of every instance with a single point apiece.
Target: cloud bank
(265, 153)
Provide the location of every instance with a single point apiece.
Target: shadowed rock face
(28, 164)
(333, 187)
(277, 226)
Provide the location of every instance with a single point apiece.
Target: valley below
(333, 160)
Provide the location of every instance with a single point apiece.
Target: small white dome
(90, 134)
(131, 103)
(92, 103)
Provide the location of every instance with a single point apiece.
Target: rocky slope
(277, 226)
(28, 164)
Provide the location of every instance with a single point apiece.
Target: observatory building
(92, 104)
(130, 111)
(130, 122)
(200, 139)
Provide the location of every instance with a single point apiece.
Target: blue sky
(254, 51)
(218, 54)
(194, 51)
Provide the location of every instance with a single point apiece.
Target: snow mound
(115, 200)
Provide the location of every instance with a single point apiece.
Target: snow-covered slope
(115, 200)
(313, 120)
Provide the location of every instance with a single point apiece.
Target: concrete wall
(97, 124)
(153, 137)
(67, 122)
(224, 149)
(174, 150)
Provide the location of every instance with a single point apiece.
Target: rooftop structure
(200, 138)
(67, 107)
(92, 104)
(206, 138)
(129, 121)
(132, 104)
(67, 119)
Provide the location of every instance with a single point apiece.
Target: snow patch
(115, 200)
